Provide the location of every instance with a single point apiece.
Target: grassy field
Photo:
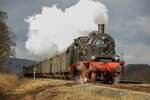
(13, 88)
(7, 82)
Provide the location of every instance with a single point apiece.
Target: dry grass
(49, 89)
(83, 92)
(7, 82)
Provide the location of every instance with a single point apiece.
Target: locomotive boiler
(88, 58)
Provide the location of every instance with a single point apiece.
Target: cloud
(128, 23)
(133, 40)
(129, 26)
(56, 27)
(138, 53)
(18, 10)
(132, 31)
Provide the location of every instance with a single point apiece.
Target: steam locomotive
(88, 58)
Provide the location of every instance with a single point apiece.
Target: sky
(128, 24)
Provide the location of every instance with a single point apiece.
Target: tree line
(6, 40)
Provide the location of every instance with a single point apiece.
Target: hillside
(137, 72)
(16, 64)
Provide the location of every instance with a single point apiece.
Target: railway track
(127, 85)
(138, 87)
(130, 82)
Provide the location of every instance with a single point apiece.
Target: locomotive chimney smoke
(101, 28)
(48, 29)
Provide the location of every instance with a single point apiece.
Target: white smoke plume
(53, 29)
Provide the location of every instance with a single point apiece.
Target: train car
(29, 70)
(88, 58)
(55, 64)
(64, 63)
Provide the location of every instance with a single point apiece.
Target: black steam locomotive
(96, 44)
(91, 58)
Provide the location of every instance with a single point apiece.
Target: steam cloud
(54, 29)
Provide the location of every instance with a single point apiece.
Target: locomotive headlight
(103, 38)
(116, 58)
(98, 42)
(93, 57)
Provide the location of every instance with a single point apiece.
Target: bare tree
(6, 39)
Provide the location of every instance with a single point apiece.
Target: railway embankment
(118, 91)
(50, 89)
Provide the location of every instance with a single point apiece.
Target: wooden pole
(34, 72)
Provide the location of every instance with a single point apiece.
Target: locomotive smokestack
(101, 28)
